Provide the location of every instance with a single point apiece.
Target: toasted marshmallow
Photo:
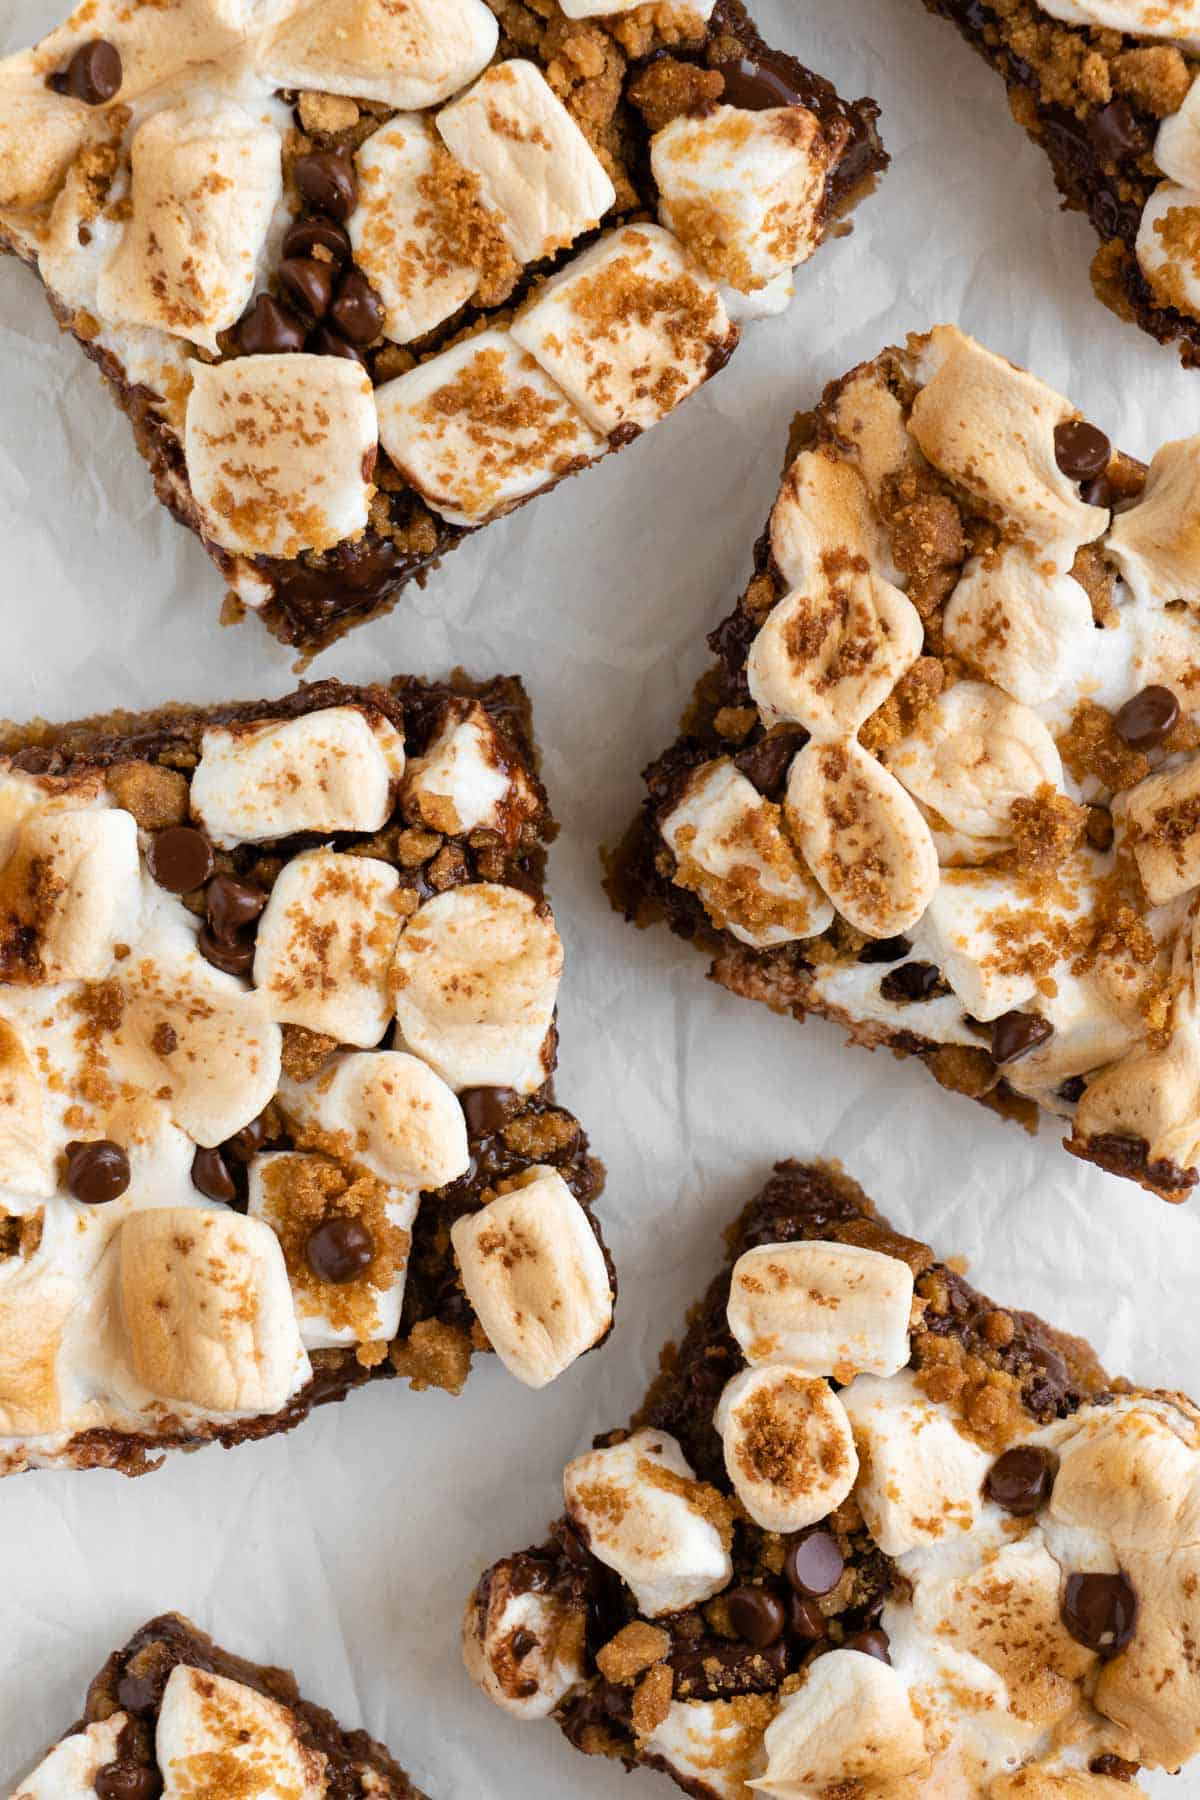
(533, 1270)
(280, 451)
(69, 1771)
(388, 1112)
(205, 184)
(524, 1648)
(731, 851)
(466, 780)
(1151, 1097)
(474, 984)
(480, 428)
(70, 891)
(1156, 544)
(41, 134)
(1153, 1687)
(628, 329)
(39, 1295)
(407, 56)
(789, 1450)
(1131, 1472)
(823, 514)
(1179, 19)
(715, 1744)
(211, 1729)
(397, 239)
(921, 1481)
(1024, 627)
(963, 932)
(325, 944)
(1177, 145)
(641, 1511)
(851, 1720)
(823, 1308)
(974, 752)
(862, 837)
(331, 770)
(871, 433)
(26, 1162)
(1166, 246)
(207, 1310)
(1161, 828)
(1043, 1781)
(155, 42)
(536, 169)
(745, 191)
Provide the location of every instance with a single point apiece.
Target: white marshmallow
(1168, 233)
(921, 1481)
(1152, 1688)
(479, 428)
(1089, 1031)
(1156, 544)
(1131, 1472)
(532, 1268)
(69, 1771)
(26, 1162)
(280, 451)
(1177, 19)
(387, 1112)
(641, 1511)
(823, 511)
(524, 1648)
(41, 134)
(731, 851)
(628, 329)
(536, 169)
(789, 1450)
(208, 1723)
(709, 1743)
(1024, 627)
(823, 1308)
(155, 42)
(331, 770)
(851, 1721)
(467, 779)
(1161, 820)
(396, 236)
(407, 56)
(862, 837)
(1152, 1096)
(963, 932)
(70, 891)
(1177, 145)
(475, 981)
(40, 1296)
(325, 944)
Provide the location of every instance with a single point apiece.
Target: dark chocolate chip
(1144, 721)
(231, 905)
(885, 950)
(358, 311)
(814, 1564)
(123, 1780)
(1081, 450)
(1098, 492)
(1115, 131)
(330, 343)
(805, 1619)
(1015, 1034)
(339, 1250)
(1100, 1611)
(328, 183)
(911, 981)
(870, 1643)
(230, 958)
(308, 284)
(766, 763)
(307, 235)
(1072, 1090)
(756, 85)
(487, 1108)
(269, 329)
(93, 74)
(1021, 1480)
(247, 1142)
(756, 1614)
(180, 859)
(211, 1176)
(97, 1171)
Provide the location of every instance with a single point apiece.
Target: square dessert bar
(941, 784)
(1105, 87)
(869, 1534)
(172, 1714)
(365, 276)
(277, 1032)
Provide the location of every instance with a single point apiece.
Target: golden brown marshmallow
(826, 1308)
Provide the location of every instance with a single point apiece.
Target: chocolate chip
(756, 1614)
(247, 1142)
(97, 1171)
(231, 959)
(329, 343)
(1015, 1034)
(328, 183)
(805, 1619)
(870, 1643)
(1081, 450)
(308, 284)
(122, 1780)
(814, 1564)
(1100, 1611)
(358, 311)
(1020, 1481)
(211, 1176)
(231, 905)
(1115, 131)
(180, 859)
(756, 85)
(1072, 1090)
(885, 950)
(766, 763)
(269, 329)
(487, 1108)
(93, 74)
(1098, 492)
(912, 981)
(339, 1250)
(1144, 721)
(307, 235)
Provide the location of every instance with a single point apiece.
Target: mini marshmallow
(395, 231)
(921, 1481)
(280, 451)
(963, 933)
(41, 134)
(1151, 1097)
(479, 428)
(789, 1450)
(69, 1771)
(215, 1732)
(641, 1512)
(331, 770)
(325, 944)
(870, 430)
(822, 1308)
(205, 185)
(536, 169)
(823, 514)
(711, 1744)
(851, 1721)
(474, 983)
(1156, 544)
(70, 891)
(732, 852)
(408, 56)
(467, 780)
(26, 1162)
(1153, 1687)
(1131, 1472)
(1177, 144)
(1178, 19)
(1167, 238)
(1161, 816)
(533, 1270)
(862, 837)
(207, 1310)
(524, 1648)
(628, 329)
(39, 1295)
(389, 1113)
(1021, 625)
(155, 42)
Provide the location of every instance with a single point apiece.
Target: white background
(348, 1549)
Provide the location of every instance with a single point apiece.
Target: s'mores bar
(277, 1032)
(869, 1534)
(1106, 88)
(366, 276)
(941, 783)
(171, 1714)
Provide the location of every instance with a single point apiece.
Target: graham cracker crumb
(433, 1355)
(155, 796)
(652, 1700)
(636, 1647)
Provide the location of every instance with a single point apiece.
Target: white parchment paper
(348, 1549)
